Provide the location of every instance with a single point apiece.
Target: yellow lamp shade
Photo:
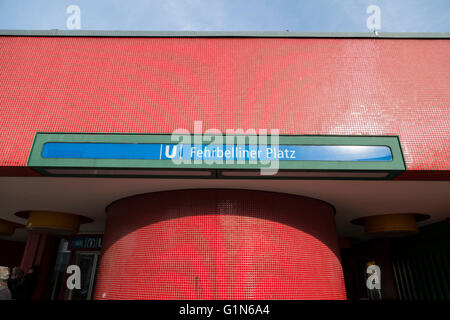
(53, 222)
(393, 224)
(390, 223)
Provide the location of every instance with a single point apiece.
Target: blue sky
(229, 15)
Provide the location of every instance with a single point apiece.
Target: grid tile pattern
(220, 244)
(299, 86)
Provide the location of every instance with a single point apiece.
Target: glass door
(57, 278)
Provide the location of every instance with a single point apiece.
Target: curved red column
(220, 244)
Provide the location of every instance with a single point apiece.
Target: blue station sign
(242, 156)
(164, 151)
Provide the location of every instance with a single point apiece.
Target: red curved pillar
(220, 244)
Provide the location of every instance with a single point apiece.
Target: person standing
(30, 283)
(15, 283)
(5, 294)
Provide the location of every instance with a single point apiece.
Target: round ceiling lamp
(391, 225)
(52, 222)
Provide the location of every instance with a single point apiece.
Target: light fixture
(126, 172)
(391, 225)
(306, 174)
(52, 222)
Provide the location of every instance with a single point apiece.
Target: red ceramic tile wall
(220, 244)
(299, 86)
